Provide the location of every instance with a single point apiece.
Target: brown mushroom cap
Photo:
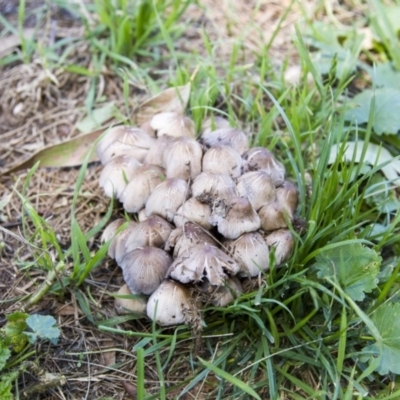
(273, 216)
(231, 137)
(202, 262)
(193, 211)
(288, 196)
(283, 242)
(135, 303)
(155, 154)
(145, 268)
(222, 160)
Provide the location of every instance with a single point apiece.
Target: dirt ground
(39, 107)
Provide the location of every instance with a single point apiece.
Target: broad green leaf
(375, 156)
(384, 75)
(385, 116)
(230, 378)
(14, 330)
(387, 320)
(42, 328)
(96, 118)
(174, 99)
(6, 381)
(5, 354)
(353, 266)
(67, 154)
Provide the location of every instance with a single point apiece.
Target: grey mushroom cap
(213, 123)
(110, 233)
(171, 304)
(288, 196)
(194, 211)
(251, 252)
(153, 231)
(259, 158)
(173, 124)
(145, 268)
(283, 242)
(144, 180)
(167, 197)
(155, 154)
(239, 217)
(222, 160)
(209, 187)
(274, 216)
(127, 140)
(231, 137)
(258, 187)
(182, 158)
(203, 262)
(117, 173)
(127, 302)
(117, 246)
(221, 296)
(187, 236)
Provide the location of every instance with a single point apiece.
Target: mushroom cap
(222, 160)
(144, 180)
(182, 158)
(288, 196)
(117, 246)
(201, 262)
(273, 216)
(167, 197)
(251, 252)
(155, 154)
(186, 236)
(213, 123)
(145, 268)
(135, 303)
(283, 242)
(193, 211)
(153, 231)
(208, 187)
(111, 229)
(141, 215)
(173, 124)
(126, 140)
(258, 187)
(231, 137)
(240, 217)
(260, 158)
(170, 304)
(117, 173)
(221, 296)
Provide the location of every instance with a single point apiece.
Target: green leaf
(353, 266)
(5, 354)
(385, 116)
(387, 321)
(230, 378)
(388, 20)
(42, 328)
(386, 76)
(96, 118)
(14, 330)
(6, 381)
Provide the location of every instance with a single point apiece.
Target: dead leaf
(107, 358)
(173, 99)
(9, 43)
(130, 389)
(96, 118)
(67, 154)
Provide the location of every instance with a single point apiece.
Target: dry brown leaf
(173, 99)
(9, 43)
(107, 358)
(71, 153)
(130, 389)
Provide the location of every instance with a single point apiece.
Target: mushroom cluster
(208, 212)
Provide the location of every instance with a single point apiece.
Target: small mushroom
(213, 123)
(258, 187)
(109, 234)
(127, 302)
(193, 211)
(155, 154)
(283, 242)
(173, 124)
(288, 196)
(167, 197)
(182, 158)
(142, 215)
(251, 253)
(259, 158)
(171, 304)
(231, 137)
(222, 160)
(203, 262)
(154, 231)
(274, 216)
(209, 187)
(144, 268)
(119, 241)
(239, 217)
(187, 236)
(221, 296)
(144, 180)
(125, 140)
(117, 173)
